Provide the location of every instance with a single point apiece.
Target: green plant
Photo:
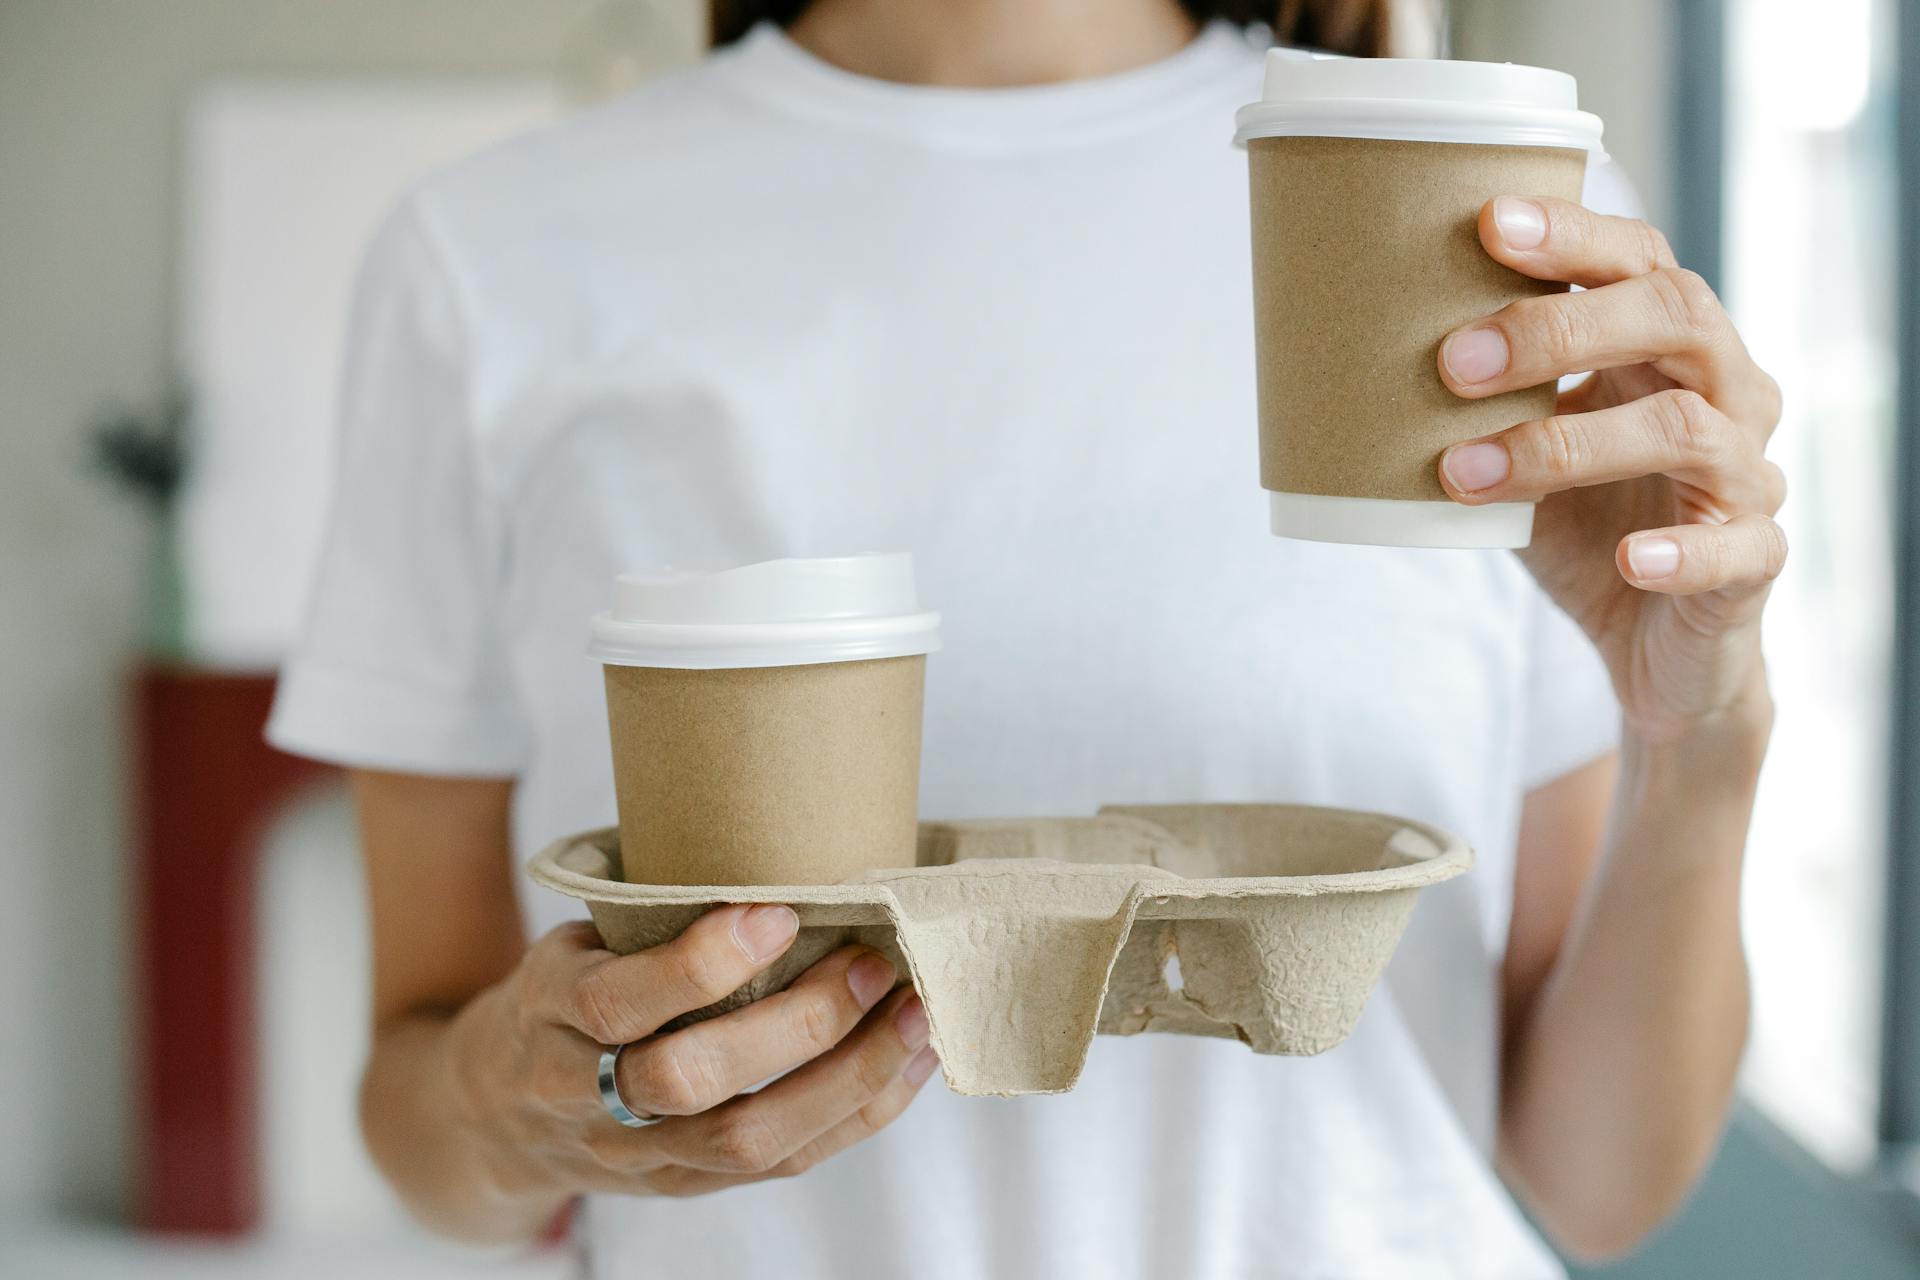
(146, 453)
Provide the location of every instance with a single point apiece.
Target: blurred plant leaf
(147, 452)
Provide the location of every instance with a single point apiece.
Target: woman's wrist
(1708, 767)
(1725, 746)
(485, 1093)
(433, 1121)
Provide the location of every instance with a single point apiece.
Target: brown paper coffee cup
(766, 775)
(1366, 183)
(765, 720)
(1366, 255)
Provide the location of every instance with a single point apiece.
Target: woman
(969, 279)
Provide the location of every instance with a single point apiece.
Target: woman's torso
(766, 309)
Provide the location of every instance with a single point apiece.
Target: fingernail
(921, 1067)
(764, 931)
(1475, 356)
(911, 1023)
(1653, 558)
(1522, 223)
(1473, 467)
(870, 977)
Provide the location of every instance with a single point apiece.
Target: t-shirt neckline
(769, 66)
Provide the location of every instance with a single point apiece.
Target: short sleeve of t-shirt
(399, 663)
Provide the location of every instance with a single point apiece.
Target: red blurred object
(208, 788)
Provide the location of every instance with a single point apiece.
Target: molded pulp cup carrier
(1026, 936)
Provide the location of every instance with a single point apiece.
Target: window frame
(1900, 992)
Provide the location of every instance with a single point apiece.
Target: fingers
(1675, 433)
(1747, 552)
(1551, 239)
(701, 1067)
(1669, 319)
(866, 1121)
(1640, 307)
(757, 1132)
(618, 999)
(858, 1127)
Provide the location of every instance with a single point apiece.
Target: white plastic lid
(1417, 100)
(778, 613)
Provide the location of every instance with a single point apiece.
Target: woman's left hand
(1655, 527)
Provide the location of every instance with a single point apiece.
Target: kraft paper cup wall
(766, 719)
(1367, 177)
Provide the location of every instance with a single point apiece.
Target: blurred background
(185, 186)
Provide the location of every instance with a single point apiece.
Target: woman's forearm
(1617, 1084)
(414, 1115)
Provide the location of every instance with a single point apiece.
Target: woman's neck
(991, 43)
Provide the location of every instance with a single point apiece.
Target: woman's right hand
(526, 1059)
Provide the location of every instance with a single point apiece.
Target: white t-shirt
(767, 308)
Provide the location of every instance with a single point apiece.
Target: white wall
(91, 97)
(270, 165)
(317, 1181)
(1621, 52)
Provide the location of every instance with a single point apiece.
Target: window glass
(1809, 278)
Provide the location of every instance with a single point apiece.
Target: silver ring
(610, 1092)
